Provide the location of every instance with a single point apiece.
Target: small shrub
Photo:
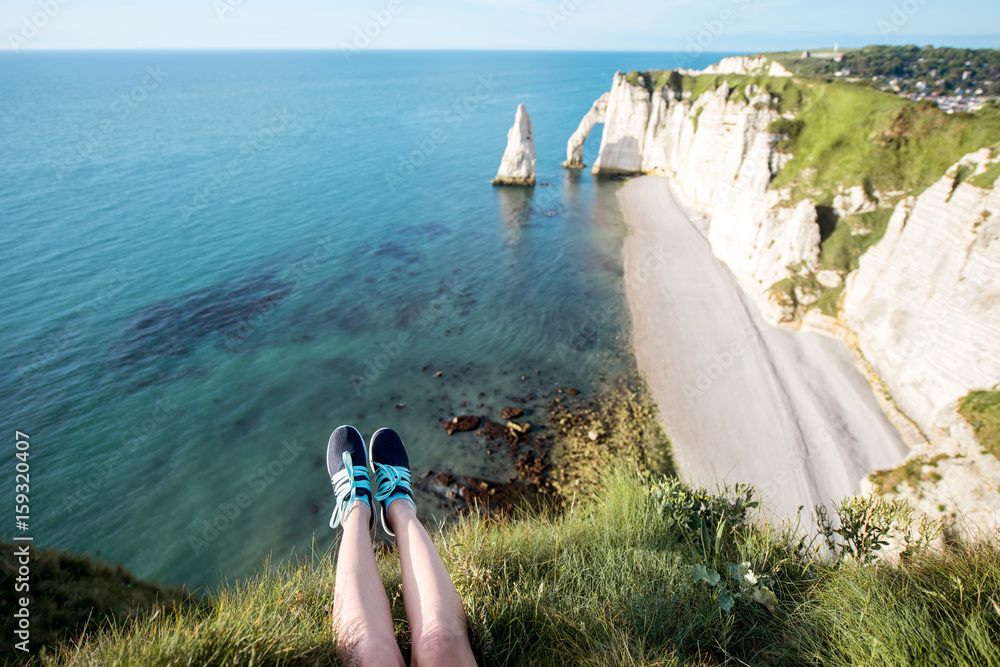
(864, 525)
(787, 130)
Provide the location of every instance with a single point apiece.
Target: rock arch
(574, 147)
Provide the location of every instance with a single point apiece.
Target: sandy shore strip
(742, 400)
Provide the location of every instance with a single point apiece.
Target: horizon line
(466, 50)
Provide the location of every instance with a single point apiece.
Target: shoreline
(742, 400)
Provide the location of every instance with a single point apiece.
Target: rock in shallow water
(461, 423)
(511, 413)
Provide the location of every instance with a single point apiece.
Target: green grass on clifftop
(646, 572)
(982, 410)
(847, 134)
(71, 594)
(855, 135)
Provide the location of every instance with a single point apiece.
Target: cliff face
(720, 156)
(624, 128)
(955, 481)
(925, 301)
(745, 65)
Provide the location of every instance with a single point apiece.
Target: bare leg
(433, 607)
(362, 620)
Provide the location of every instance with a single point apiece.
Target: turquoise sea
(212, 259)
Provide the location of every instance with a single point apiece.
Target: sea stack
(518, 164)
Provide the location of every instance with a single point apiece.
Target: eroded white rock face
(574, 147)
(852, 201)
(925, 300)
(719, 154)
(829, 278)
(517, 167)
(744, 65)
(958, 484)
(624, 128)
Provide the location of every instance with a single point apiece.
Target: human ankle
(360, 509)
(400, 510)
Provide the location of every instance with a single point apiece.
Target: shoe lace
(345, 488)
(388, 477)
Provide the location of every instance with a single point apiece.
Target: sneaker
(392, 472)
(348, 467)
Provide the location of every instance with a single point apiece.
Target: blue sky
(605, 25)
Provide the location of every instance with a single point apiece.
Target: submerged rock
(509, 413)
(474, 494)
(518, 164)
(461, 423)
(518, 428)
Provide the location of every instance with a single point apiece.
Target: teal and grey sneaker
(348, 467)
(392, 471)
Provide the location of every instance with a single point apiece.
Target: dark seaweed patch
(398, 251)
(172, 327)
(430, 230)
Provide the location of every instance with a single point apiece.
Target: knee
(441, 646)
(371, 654)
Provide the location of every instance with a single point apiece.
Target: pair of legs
(362, 618)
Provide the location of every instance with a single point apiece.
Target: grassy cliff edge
(644, 572)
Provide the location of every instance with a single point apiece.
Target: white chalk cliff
(624, 128)
(574, 148)
(925, 304)
(517, 167)
(925, 300)
(749, 65)
(958, 483)
(721, 159)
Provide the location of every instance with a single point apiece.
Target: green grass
(982, 410)
(940, 609)
(608, 581)
(844, 135)
(656, 79)
(70, 594)
(911, 472)
(828, 302)
(987, 178)
(852, 237)
(855, 135)
(278, 617)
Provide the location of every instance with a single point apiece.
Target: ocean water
(211, 260)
